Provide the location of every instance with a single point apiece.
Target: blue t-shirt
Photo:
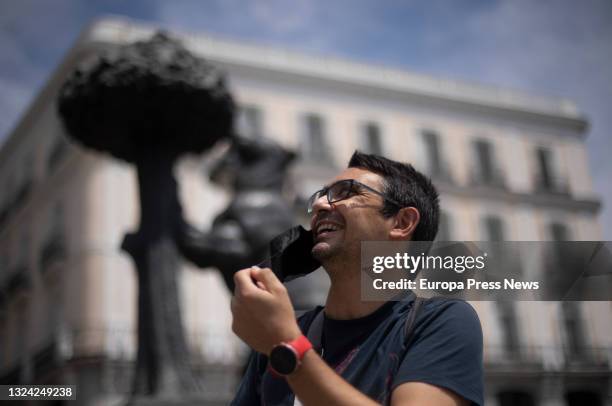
(445, 350)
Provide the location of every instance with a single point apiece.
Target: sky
(559, 48)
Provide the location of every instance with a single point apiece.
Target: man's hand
(263, 314)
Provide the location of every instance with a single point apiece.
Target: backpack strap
(315, 330)
(408, 335)
(411, 320)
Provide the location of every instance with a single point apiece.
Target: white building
(509, 165)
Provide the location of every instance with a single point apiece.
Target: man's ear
(406, 221)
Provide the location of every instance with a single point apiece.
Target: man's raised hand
(262, 312)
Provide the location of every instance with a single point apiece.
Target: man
(364, 360)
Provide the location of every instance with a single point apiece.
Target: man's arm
(315, 383)
(420, 393)
(264, 317)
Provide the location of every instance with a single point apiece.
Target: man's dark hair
(405, 185)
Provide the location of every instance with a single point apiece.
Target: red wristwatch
(285, 358)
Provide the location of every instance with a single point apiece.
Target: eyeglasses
(342, 190)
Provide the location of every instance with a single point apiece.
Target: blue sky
(561, 48)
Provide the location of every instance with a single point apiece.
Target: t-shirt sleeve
(249, 388)
(446, 350)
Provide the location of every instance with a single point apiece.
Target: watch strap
(301, 345)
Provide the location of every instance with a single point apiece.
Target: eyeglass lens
(338, 191)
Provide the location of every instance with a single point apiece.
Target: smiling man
(364, 357)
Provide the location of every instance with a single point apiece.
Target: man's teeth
(327, 227)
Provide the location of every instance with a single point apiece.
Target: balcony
(493, 179)
(551, 185)
(440, 173)
(526, 359)
(515, 359)
(584, 359)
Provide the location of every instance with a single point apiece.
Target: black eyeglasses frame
(352, 183)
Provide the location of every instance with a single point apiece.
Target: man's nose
(320, 204)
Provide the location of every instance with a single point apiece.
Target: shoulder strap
(411, 320)
(315, 330)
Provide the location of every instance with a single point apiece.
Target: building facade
(509, 166)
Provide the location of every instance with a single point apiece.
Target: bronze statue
(256, 170)
(148, 103)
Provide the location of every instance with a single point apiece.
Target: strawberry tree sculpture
(148, 103)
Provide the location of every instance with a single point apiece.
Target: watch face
(283, 359)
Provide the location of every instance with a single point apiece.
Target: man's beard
(338, 253)
(324, 254)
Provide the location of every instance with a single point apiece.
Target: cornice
(378, 80)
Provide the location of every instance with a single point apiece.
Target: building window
(444, 227)
(546, 178)
(5, 209)
(19, 331)
(509, 325)
(574, 330)
(3, 341)
(583, 397)
(250, 122)
(58, 151)
(53, 317)
(486, 172)
(7, 199)
(436, 166)
(559, 232)
(314, 144)
(493, 228)
(572, 322)
(54, 245)
(371, 140)
(515, 398)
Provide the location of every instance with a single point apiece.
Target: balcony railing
(519, 355)
(549, 357)
(492, 179)
(440, 173)
(587, 357)
(553, 185)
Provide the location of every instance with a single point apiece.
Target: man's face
(339, 228)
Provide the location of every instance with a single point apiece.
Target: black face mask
(291, 254)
